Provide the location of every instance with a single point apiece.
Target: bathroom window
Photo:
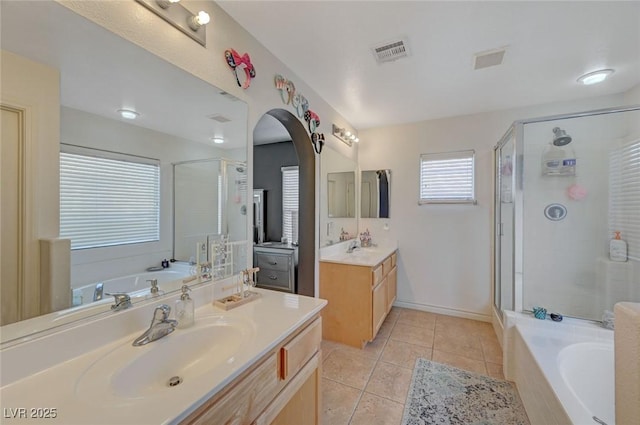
(290, 203)
(447, 177)
(624, 194)
(108, 199)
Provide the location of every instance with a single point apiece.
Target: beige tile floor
(370, 386)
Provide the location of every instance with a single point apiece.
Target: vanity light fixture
(595, 76)
(345, 135)
(217, 140)
(128, 114)
(172, 11)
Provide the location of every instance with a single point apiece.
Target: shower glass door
(504, 223)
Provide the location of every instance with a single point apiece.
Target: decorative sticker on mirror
(236, 62)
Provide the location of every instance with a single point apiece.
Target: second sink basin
(183, 357)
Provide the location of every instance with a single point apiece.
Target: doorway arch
(307, 198)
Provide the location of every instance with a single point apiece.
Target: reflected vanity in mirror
(337, 198)
(375, 193)
(157, 184)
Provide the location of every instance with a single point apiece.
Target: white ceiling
(101, 73)
(549, 45)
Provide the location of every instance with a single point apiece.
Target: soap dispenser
(154, 291)
(185, 309)
(617, 248)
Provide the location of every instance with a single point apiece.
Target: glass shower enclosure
(563, 186)
(209, 214)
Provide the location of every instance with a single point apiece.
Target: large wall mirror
(179, 166)
(337, 197)
(375, 193)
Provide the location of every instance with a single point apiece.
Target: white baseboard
(444, 310)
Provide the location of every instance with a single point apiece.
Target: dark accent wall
(267, 161)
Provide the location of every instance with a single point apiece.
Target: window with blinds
(290, 203)
(447, 177)
(624, 195)
(108, 199)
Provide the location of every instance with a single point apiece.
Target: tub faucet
(97, 292)
(122, 301)
(161, 326)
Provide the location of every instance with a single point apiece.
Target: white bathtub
(564, 371)
(136, 285)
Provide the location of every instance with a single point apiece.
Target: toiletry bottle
(185, 309)
(617, 249)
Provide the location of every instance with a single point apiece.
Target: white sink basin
(128, 372)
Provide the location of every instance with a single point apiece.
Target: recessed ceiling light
(595, 76)
(128, 114)
(217, 140)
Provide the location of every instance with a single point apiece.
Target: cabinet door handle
(273, 263)
(272, 277)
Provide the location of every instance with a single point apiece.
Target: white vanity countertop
(272, 318)
(369, 257)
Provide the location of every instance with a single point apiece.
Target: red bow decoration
(235, 61)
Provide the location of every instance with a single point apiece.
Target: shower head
(560, 137)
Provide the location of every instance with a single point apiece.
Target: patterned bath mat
(445, 395)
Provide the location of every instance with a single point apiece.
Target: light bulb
(217, 140)
(347, 133)
(356, 140)
(196, 21)
(166, 3)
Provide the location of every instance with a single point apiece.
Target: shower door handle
(501, 228)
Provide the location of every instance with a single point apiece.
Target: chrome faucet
(97, 292)
(353, 245)
(122, 301)
(161, 326)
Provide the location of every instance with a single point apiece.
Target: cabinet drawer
(269, 278)
(376, 275)
(300, 349)
(244, 402)
(274, 262)
(386, 266)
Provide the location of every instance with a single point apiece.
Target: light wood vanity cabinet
(283, 387)
(360, 297)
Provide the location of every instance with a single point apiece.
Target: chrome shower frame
(516, 130)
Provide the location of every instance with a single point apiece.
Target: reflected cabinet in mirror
(375, 193)
(337, 197)
(118, 184)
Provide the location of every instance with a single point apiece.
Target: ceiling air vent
(390, 51)
(489, 58)
(219, 117)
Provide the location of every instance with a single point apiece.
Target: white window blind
(624, 195)
(290, 203)
(108, 199)
(447, 177)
